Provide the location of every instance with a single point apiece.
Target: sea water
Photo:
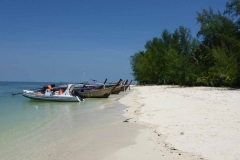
(29, 127)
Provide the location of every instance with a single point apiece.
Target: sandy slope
(183, 123)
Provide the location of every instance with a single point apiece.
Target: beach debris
(172, 148)
(127, 120)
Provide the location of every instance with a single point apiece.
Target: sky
(77, 40)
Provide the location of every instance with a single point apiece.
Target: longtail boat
(94, 93)
(125, 87)
(117, 90)
(93, 90)
(122, 87)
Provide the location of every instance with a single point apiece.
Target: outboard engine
(75, 93)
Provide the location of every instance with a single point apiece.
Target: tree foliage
(211, 59)
(166, 59)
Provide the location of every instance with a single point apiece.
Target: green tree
(166, 59)
(219, 31)
(224, 72)
(215, 28)
(178, 58)
(233, 9)
(137, 66)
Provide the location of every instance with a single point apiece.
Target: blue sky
(56, 40)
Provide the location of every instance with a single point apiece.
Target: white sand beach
(183, 123)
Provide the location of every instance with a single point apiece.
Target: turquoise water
(25, 123)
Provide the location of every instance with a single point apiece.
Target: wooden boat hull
(117, 90)
(97, 93)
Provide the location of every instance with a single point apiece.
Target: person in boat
(50, 87)
(60, 92)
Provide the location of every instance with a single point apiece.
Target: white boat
(66, 96)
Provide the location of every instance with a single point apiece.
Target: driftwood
(127, 120)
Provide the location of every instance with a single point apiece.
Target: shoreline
(183, 123)
(89, 130)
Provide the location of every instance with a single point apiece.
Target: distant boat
(67, 96)
(122, 87)
(126, 86)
